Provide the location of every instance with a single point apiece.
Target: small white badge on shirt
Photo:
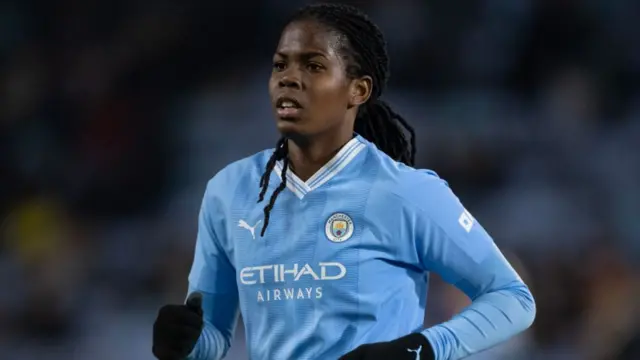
(466, 220)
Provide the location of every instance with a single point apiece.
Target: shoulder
(409, 185)
(238, 173)
(416, 186)
(421, 192)
(425, 201)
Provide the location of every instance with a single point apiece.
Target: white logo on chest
(243, 224)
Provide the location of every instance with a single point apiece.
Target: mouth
(288, 108)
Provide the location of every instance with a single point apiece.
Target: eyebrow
(303, 55)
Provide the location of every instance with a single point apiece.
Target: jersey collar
(300, 188)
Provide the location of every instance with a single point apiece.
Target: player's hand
(177, 329)
(410, 347)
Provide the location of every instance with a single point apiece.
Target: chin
(291, 128)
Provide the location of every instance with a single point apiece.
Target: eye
(315, 67)
(279, 66)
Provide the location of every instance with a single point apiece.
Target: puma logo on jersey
(243, 224)
(417, 351)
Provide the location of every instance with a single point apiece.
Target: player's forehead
(307, 36)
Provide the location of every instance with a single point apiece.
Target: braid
(280, 153)
(379, 124)
(365, 51)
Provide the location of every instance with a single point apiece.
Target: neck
(308, 156)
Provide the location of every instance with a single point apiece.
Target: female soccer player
(336, 265)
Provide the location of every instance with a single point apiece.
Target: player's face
(310, 90)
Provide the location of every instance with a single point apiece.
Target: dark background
(114, 114)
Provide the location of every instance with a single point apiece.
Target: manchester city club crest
(339, 227)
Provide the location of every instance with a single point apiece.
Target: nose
(290, 81)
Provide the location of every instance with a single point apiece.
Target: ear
(360, 91)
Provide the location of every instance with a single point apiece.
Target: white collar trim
(300, 188)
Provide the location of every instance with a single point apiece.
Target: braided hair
(366, 53)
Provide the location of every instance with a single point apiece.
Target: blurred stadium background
(114, 114)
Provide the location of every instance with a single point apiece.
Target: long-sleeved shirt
(345, 261)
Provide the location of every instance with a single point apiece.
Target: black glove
(410, 347)
(177, 329)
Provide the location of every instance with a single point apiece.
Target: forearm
(491, 318)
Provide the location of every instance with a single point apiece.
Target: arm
(213, 275)
(451, 243)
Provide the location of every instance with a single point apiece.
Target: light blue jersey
(345, 261)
